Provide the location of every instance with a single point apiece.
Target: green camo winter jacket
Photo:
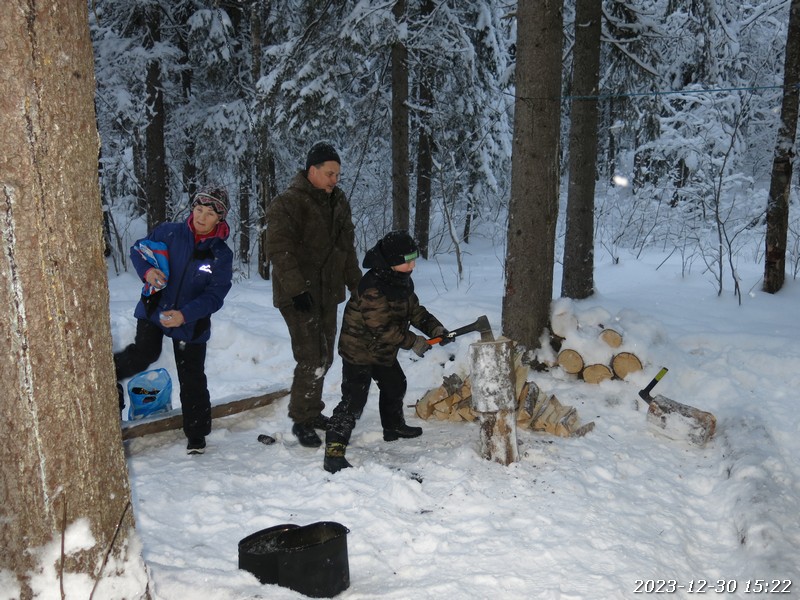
(377, 318)
(311, 244)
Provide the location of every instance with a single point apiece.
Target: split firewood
(527, 402)
(425, 405)
(521, 371)
(555, 418)
(454, 416)
(535, 409)
(467, 414)
(571, 361)
(624, 363)
(596, 373)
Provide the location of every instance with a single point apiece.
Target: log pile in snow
(593, 353)
(536, 410)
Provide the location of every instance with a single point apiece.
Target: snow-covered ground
(601, 516)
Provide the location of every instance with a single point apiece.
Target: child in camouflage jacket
(375, 327)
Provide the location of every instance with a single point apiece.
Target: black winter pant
(190, 360)
(356, 380)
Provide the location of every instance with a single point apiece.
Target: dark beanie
(320, 153)
(398, 247)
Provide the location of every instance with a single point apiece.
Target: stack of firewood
(537, 411)
(593, 353)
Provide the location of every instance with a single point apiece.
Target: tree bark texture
(400, 200)
(244, 211)
(494, 399)
(155, 151)
(785, 152)
(422, 212)
(62, 466)
(265, 165)
(578, 273)
(533, 207)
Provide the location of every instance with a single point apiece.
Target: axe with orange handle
(481, 325)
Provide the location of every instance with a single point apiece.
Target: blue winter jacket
(199, 279)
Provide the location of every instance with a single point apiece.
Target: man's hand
(302, 302)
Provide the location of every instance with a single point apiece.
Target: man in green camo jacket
(311, 245)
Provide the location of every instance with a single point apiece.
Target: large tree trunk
(422, 213)
(578, 273)
(780, 184)
(156, 160)
(189, 167)
(533, 208)
(244, 211)
(265, 163)
(400, 203)
(62, 467)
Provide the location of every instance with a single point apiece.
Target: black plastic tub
(258, 553)
(311, 559)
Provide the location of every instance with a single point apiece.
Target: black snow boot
(401, 431)
(306, 435)
(334, 457)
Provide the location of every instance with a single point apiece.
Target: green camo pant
(313, 335)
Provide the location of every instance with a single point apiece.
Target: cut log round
(571, 361)
(624, 363)
(596, 373)
(563, 324)
(611, 337)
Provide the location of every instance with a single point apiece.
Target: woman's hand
(172, 318)
(156, 278)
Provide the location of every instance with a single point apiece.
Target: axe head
(482, 326)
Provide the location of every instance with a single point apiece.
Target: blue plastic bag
(150, 393)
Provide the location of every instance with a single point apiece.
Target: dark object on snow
(311, 559)
(675, 420)
(266, 439)
(258, 552)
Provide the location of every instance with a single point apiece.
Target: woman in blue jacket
(187, 283)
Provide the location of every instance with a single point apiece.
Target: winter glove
(442, 333)
(302, 302)
(421, 346)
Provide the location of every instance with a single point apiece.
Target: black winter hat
(320, 153)
(398, 247)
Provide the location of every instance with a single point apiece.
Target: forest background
(419, 99)
(684, 118)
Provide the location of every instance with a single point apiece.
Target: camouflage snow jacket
(377, 318)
